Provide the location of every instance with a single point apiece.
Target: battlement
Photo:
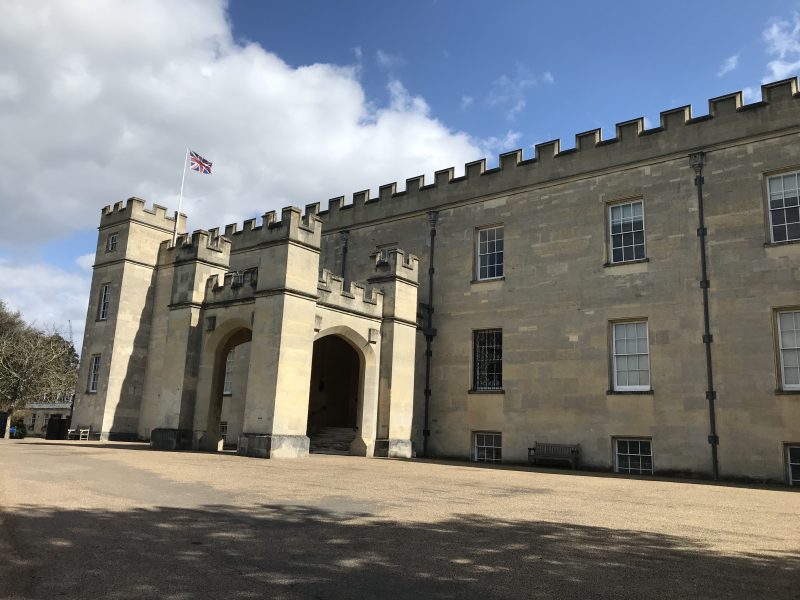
(355, 297)
(293, 226)
(202, 245)
(394, 262)
(236, 285)
(135, 209)
(678, 133)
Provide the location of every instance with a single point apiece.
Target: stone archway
(335, 393)
(343, 394)
(211, 384)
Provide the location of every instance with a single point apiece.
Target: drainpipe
(429, 332)
(697, 160)
(345, 235)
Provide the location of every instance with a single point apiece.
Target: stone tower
(112, 372)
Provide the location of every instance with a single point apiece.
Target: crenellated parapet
(678, 133)
(293, 226)
(235, 286)
(200, 245)
(394, 263)
(355, 298)
(135, 209)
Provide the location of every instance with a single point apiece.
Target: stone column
(396, 275)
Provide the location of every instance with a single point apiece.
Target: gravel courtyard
(114, 521)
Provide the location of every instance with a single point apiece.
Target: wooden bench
(570, 453)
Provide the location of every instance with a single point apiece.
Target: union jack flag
(198, 163)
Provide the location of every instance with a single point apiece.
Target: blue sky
(609, 61)
(300, 102)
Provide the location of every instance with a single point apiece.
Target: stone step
(332, 440)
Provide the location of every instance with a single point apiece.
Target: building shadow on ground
(279, 551)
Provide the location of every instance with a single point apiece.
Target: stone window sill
(501, 391)
(649, 392)
(780, 392)
(778, 244)
(626, 262)
(489, 280)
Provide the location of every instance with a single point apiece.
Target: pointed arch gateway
(337, 420)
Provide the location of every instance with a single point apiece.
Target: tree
(34, 364)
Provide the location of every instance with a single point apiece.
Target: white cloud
(33, 288)
(783, 41)
(387, 60)
(85, 261)
(510, 92)
(103, 109)
(751, 94)
(728, 65)
(548, 77)
(466, 102)
(504, 143)
(107, 104)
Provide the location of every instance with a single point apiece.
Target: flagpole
(180, 198)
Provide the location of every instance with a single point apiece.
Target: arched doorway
(333, 404)
(229, 388)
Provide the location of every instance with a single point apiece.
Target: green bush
(21, 430)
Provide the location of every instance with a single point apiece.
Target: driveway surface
(93, 520)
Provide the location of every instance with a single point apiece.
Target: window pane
(794, 454)
(788, 339)
(490, 253)
(779, 233)
(786, 321)
(791, 376)
(775, 185)
(793, 231)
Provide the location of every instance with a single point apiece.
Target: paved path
(120, 521)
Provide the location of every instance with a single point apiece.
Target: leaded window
(111, 242)
(227, 386)
(105, 299)
(490, 252)
(94, 372)
(487, 367)
(631, 357)
(626, 223)
(488, 447)
(784, 212)
(793, 463)
(789, 341)
(634, 456)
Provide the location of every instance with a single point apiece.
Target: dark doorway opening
(333, 398)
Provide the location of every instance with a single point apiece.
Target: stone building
(560, 298)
